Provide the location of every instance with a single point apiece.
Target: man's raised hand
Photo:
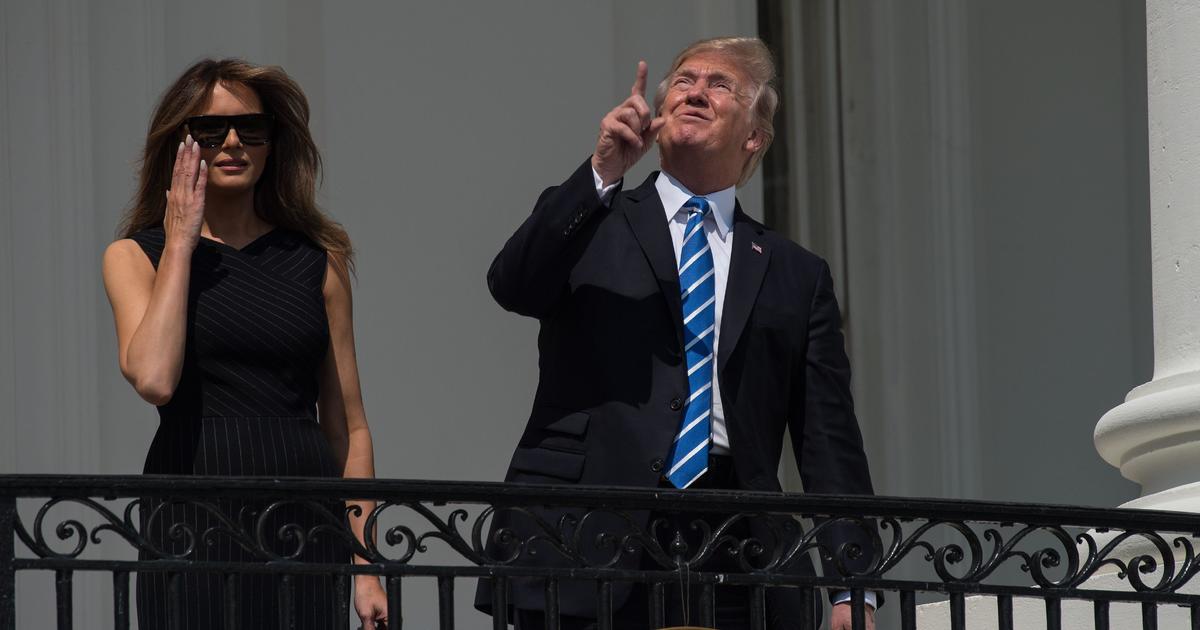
(626, 133)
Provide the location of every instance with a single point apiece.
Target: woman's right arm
(150, 308)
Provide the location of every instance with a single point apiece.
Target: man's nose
(697, 95)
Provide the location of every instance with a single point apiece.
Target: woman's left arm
(344, 423)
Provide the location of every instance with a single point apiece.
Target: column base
(1154, 436)
(1185, 498)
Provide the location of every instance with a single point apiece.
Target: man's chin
(682, 138)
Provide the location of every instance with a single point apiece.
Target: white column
(1154, 437)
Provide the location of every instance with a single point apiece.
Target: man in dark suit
(679, 337)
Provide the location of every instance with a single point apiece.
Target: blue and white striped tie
(689, 455)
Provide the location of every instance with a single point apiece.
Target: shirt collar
(674, 194)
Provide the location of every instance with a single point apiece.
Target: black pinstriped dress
(245, 405)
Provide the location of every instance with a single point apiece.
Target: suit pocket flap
(542, 461)
(572, 423)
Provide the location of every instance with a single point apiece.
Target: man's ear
(755, 141)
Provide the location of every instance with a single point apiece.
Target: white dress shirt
(718, 229)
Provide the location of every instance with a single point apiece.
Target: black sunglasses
(210, 131)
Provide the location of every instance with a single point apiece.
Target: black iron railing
(60, 524)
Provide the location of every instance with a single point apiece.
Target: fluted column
(1154, 437)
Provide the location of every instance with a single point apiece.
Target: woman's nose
(231, 139)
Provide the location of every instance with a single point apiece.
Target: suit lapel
(647, 219)
(747, 266)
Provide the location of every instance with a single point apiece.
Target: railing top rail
(506, 494)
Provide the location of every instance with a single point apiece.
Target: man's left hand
(370, 602)
(839, 619)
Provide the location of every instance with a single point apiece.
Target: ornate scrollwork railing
(510, 532)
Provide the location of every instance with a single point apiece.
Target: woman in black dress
(231, 295)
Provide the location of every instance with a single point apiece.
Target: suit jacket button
(656, 465)
(676, 404)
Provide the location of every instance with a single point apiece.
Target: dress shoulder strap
(152, 242)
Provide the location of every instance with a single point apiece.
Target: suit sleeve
(825, 433)
(529, 275)
(831, 456)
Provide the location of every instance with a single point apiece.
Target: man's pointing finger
(639, 84)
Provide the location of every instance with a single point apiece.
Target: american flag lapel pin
(756, 247)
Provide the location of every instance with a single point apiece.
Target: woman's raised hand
(185, 199)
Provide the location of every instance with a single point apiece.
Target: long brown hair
(285, 195)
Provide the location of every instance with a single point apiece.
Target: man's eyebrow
(692, 73)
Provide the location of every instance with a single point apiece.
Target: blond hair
(755, 61)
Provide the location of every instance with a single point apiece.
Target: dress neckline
(243, 248)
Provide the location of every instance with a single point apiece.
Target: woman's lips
(231, 166)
